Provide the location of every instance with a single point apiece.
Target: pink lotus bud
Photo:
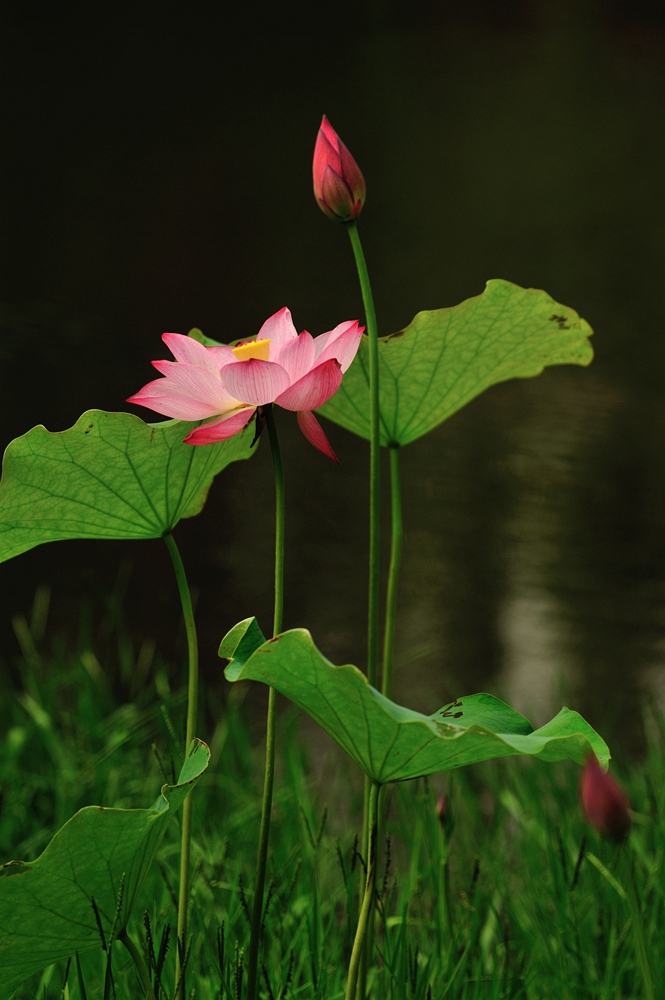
(339, 186)
(444, 814)
(605, 804)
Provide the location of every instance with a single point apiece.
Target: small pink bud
(339, 186)
(604, 802)
(444, 814)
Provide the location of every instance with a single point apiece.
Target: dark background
(156, 175)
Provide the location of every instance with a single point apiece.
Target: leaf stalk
(192, 711)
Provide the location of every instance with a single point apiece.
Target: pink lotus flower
(605, 804)
(297, 371)
(339, 186)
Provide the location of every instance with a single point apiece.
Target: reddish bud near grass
(444, 814)
(339, 186)
(604, 802)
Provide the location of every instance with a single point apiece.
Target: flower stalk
(360, 974)
(374, 460)
(269, 774)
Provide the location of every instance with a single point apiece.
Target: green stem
(279, 521)
(192, 708)
(374, 520)
(361, 976)
(269, 776)
(388, 659)
(141, 967)
(444, 915)
(641, 950)
(397, 534)
(374, 459)
(368, 897)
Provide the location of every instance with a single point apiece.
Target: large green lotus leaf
(390, 742)
(46, 911)
(109, 476)
(447, 357)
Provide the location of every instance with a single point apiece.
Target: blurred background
(156, 176)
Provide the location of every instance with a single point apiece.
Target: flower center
(254, 349)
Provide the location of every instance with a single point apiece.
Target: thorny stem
(192, 708)
(269, 775)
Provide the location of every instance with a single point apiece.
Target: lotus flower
(605, 804)
(297, 371)
(339, 186)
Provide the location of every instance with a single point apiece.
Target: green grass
(514, 899)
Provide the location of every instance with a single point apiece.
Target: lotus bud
(339, 186)
(444, 814)
(604, 802)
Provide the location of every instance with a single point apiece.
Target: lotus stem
(368, 897)
(141, 967)
(397, 535)
(374, 522)
(269, 774)
(192, 709)
(374, 460)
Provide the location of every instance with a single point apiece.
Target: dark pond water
(160, 179)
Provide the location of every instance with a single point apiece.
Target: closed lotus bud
(444, 814)
(604, 802)
(339, 186)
